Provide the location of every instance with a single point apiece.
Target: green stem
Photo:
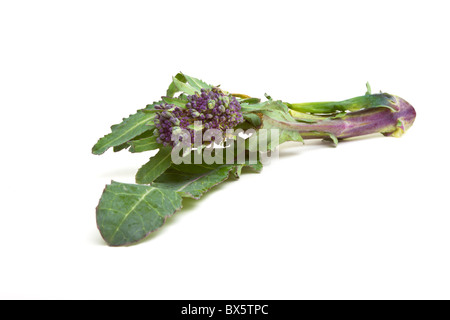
(353, 104)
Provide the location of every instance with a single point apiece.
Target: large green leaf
(192, 180)
(130, 128)
(155, 167)
(129, 213)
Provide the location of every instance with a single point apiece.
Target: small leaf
(332, 138)
(184, 87)
(172, 90)
(241, 96)
(237, 170)
(250, 101)
(175, 101)
(256, 107)
(155, 167)
(186, 84)
(277, 113)
(369, 90)
(130, 128)
(129, 213)
(196, 83)
(257, 167)
(121, 147)
(142, 145)
(253, 119)
(306, 117)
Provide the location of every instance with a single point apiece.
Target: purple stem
(359, 123)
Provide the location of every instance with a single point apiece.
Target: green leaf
(369, 89)
(155, 167)
(129, 213)
(126, 145)
(368, 101)
(253, 119)
(273, 113)
(257, 107)
(193, 180)
(172, 90)
(257, 167)
(250, 101)
(331, 137)
(175, 101)
(197, 83)
(184, 87)
(130, 128)
(146, 144)
(334, 139)
(237, 170)
(121, 147)
(306, 117)
(186, 84)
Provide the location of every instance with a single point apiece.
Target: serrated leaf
(142, 145)
(130, 128)
(129, 213)
(155, 167)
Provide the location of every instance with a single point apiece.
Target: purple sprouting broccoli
(212, 107)
(138, 211)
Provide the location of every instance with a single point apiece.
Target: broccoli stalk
(378, 113)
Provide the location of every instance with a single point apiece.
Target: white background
(366, 220)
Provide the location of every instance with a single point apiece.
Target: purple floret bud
(214, 108)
